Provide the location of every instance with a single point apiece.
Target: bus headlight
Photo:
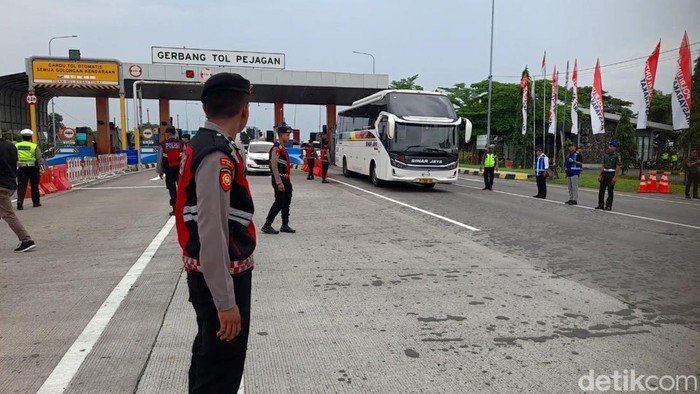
(397, 164)
(452, 166)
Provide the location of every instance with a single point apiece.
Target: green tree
(660, 108)
(626, 135)
(691, 137)
(406, 84)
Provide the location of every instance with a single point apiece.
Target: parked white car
(258, 157)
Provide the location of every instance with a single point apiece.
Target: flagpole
(544, 107)
(562, 133)
(534, 112)
(488, 115)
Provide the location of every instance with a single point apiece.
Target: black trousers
(541, 186)
(283, 200)
(324, 169)
(172, 174)
(694, 178)
(24, 175)
(606, 183)
(488, 177)
(312, 164)
(217, 366)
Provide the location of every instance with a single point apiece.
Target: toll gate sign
(77, 73)
(215, 57)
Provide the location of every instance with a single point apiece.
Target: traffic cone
(664, 186)
(642, 185)
(651, 186)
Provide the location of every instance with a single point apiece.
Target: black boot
(267, 229)
(286, 229)
(20, 207)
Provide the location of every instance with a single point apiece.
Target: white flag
(523, 86)
(553, 103)
(574, 102)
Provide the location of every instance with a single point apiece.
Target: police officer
(541, 166)
(664, 160)
(185, 141)
(281, 183)
(310, 155)
(609, 172)
(325, 162)
(8, 185)
(489, 165)
(574, 165)
(214, 213)
(168, 162)
(30, 162)
(674, 161)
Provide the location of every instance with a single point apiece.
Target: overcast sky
(445, 42)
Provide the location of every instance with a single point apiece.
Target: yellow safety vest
(490, 160)
(26, 152)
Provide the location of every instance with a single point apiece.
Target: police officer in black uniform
(281, 182)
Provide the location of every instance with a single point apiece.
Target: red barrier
(318, 170)
(46, 181)
(60, 178)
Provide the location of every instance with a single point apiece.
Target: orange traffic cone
(642, 185)
(664, 186)
(651, 186)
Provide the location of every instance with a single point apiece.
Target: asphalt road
(397, 289)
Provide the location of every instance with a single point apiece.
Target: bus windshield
(415, 138)
(409, 104)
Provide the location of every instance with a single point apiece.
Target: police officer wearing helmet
(30, 160)
(609, 173)
(168, 162)
(214, 218)
(281, 182)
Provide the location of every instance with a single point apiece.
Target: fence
(91, 168)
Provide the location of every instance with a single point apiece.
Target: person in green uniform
(664, 160)
(31, 161)
(609, 173)
(674, 161)
(490, 166)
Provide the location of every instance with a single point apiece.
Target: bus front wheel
(346, 172)
(373, 174)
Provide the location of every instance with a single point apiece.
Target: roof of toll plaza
(184, 82)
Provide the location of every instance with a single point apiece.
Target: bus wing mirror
(467, 125)
(390, 127)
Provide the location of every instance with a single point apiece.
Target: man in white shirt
(541, 166)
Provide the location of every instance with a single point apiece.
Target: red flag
(647, 85)
(597, 112)
(682, 83)
(544, 61)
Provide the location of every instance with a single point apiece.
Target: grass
(504, 169)
(624, 183)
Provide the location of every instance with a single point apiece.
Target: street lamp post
(368, 54)
(488, 116)
(53, 107)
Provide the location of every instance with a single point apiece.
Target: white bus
(401, 135)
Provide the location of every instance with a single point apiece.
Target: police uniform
(541, 166)
(30, 160)
(611, 166)
(310, 154)
(168, 163)
(489, 164)
(214, 218)
(281, 175)
(324, 162)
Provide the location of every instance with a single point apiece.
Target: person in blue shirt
(541, 166)
(574, 165)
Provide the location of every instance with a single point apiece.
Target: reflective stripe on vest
(490, 160)
(26, 152)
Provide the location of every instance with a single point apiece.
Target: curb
(499, 174)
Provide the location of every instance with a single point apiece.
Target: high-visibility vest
(490, 160)
(26, 152)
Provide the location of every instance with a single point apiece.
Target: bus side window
(383, 124)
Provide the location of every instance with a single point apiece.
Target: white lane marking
(585, 207)
(155, 179)
(118, 187)
(66, 369)
(403, 204)
(590, 190)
